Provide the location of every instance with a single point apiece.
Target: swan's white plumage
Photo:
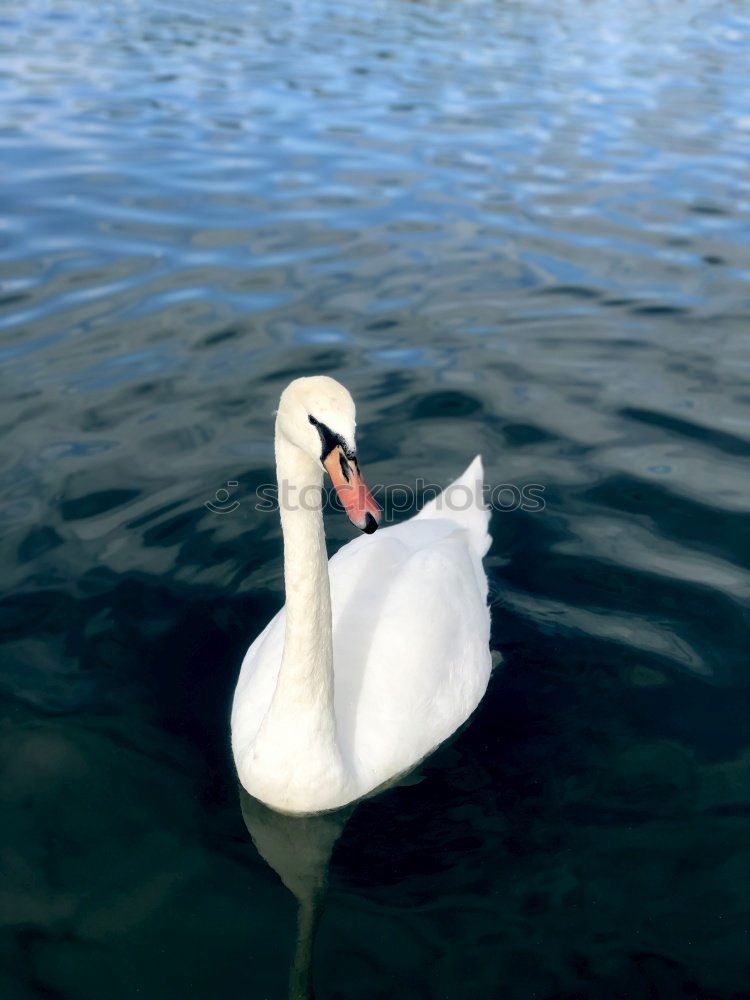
(411, 656)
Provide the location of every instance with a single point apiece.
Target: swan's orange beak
(356, 499)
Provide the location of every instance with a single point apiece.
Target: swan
(379, 654)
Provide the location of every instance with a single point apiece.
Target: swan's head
(317, 415)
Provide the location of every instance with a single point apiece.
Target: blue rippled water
(515, 228)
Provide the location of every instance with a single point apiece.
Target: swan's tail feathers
(462, 501)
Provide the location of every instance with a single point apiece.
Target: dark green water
(515, 228)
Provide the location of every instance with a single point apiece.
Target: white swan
(381, 653)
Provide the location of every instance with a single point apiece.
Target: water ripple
(518, 228)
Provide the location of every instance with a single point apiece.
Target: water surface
(514, 228)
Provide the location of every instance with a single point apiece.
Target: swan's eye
(330, 440)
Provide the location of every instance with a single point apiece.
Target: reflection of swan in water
(299, 849)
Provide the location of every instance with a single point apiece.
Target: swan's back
(411, 632)
(410, 637)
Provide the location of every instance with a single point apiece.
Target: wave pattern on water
(520, 228)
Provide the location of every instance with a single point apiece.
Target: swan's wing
(462, 502)
(257, 681)
(411, 646)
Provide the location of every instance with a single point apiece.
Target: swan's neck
(300, 719)
(306, 667)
